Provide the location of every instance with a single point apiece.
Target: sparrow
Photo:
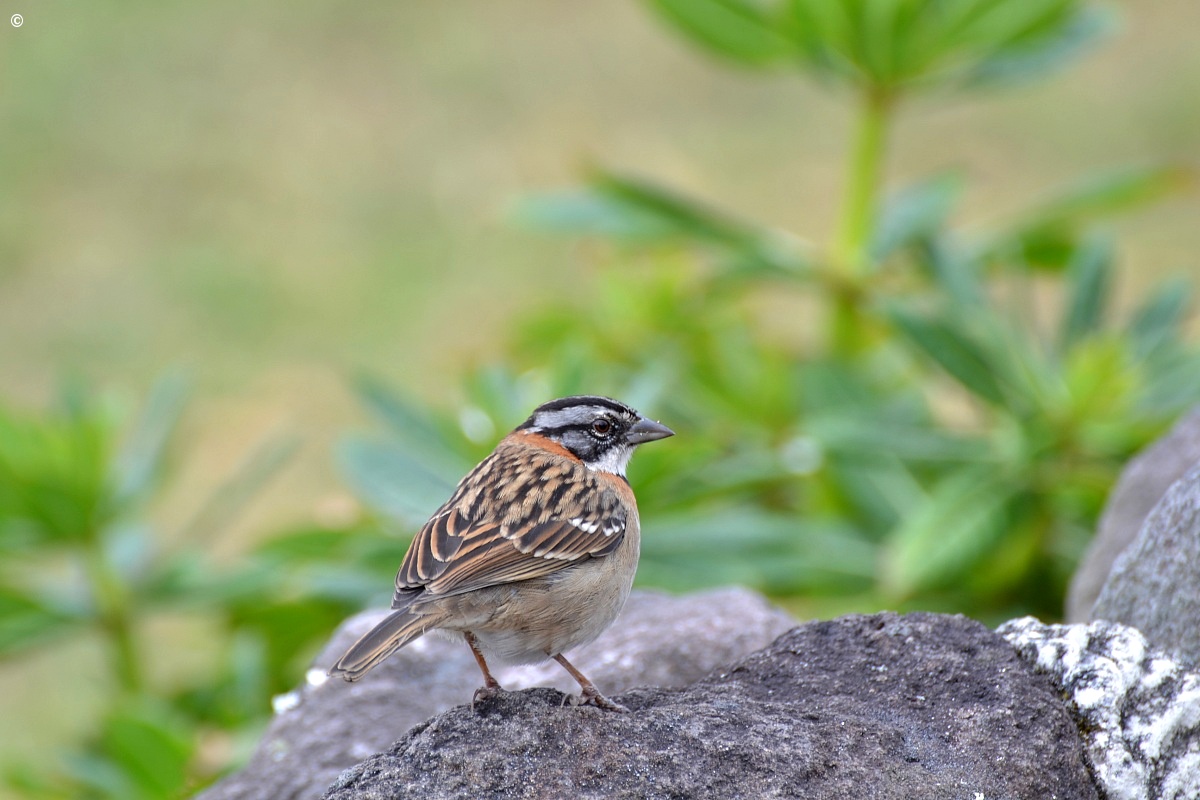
(535, 551)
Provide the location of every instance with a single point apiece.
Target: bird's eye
(602, 427)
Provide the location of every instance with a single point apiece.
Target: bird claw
(594, 698)
(485, 693)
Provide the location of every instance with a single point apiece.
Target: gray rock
(1155, 584)
(1139, 711)
(1142, 484)
(874, 707)
(326, 726)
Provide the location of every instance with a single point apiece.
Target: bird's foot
(485, 693)
(591, 697)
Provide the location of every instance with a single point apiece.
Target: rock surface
(1155, 584)
(1138, 709)
(328, 726)
(1142, 484)
(875, 707)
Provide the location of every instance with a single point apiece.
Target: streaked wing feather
(563, 539)
(498, 564)
(436, 545)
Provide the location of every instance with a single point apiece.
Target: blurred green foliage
(78, 560)
(934, 423)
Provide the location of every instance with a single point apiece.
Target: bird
(533, 554)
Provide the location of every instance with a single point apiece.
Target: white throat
(614, 460)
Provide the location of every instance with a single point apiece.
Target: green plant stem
(860, 207)
(114, 616)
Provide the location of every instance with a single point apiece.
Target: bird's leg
(591, 695)
(491, 687)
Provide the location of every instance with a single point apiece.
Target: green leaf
(700, 223)
(1045, 50)
(101, 777)
(913, 213)
(739, 30)
(233, 495)
(286, 627)
(773, 552)
(886, 46)
(1171, 384)
(392, 480)
(191, 580)
(1037, 53)
(961, 520)
(952, 346)
(413, 427)
(1102, 383)
(586, 212)
(875, 491)
(684, 216)
(1157, 322)
(25, 621)
(139, 462)
(54, 476)
(952, 270)
(497, 399)
(319, 545)
(877, 46)
(823, 32)
(1088, 279)
(150, 747)
(634, 209)
(1117, 191)
(249, 679)
(859, 434)
(1044, 237)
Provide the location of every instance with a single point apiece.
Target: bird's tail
(396, 630)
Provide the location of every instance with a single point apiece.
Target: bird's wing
(507, 522)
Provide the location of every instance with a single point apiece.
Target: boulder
(1142, 484)
(884, 706)
(1138, 710)
(1155, 583)
(326, 726)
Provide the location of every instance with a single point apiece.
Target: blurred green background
(272, 275)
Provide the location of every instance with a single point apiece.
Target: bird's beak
(647, 430)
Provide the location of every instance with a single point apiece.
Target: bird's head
(601, 432)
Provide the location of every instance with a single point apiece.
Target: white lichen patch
(1159, 670)
(1138, 711)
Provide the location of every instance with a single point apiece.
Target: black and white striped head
(602, 432)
